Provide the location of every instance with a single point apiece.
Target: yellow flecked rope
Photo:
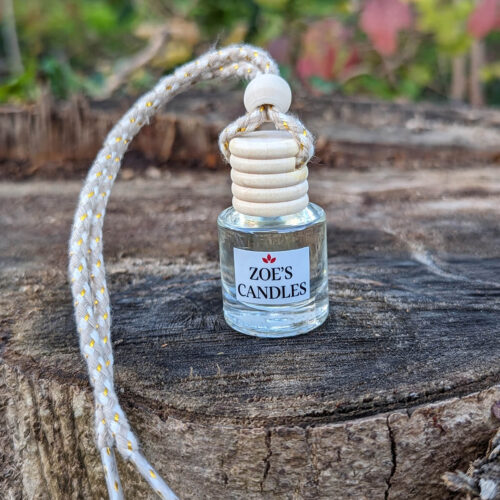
(86, 262)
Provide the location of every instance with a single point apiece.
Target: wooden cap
(264, 145)
(266, 182)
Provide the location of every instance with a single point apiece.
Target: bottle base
(264, 322)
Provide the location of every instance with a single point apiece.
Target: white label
(272, 277)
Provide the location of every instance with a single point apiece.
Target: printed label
(272, 277)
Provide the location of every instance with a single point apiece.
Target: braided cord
(282, 121)
(86, 262)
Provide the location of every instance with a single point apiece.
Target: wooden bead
(270, 195)
(261, 166)
(270, 209)
(268, 89)
(264, 144)
(269, 180)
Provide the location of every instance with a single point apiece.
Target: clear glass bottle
(279, 285)
(272, 241)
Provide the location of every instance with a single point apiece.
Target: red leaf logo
(269, 259)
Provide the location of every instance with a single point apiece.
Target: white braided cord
(86, 263)
(282, 121)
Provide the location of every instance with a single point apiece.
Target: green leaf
(22, 87)
(369, 84)
(419, 73)
(99, 17)
(324, 86)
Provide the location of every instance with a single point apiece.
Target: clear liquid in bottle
(274, 271)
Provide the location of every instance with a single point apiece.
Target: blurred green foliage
(73, 46)
(446, 21)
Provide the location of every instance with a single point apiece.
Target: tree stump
(395, 389)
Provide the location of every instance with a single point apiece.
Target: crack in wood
(393, 458)
(267, 459)
(425, 257)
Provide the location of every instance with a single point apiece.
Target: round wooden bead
(264, 144)
(268, 89)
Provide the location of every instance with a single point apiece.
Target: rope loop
(86, 261)
(282, 121)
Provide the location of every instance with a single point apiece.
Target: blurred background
(404, 50)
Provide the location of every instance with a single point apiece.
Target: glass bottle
(273, 254)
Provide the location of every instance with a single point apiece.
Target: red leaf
(326, 50)
(307, 67)
(269, 257)
(382, 20)
(273, 260)
(484, 18)
(281, 48)
(264, 260)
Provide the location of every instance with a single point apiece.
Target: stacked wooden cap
(266, 182)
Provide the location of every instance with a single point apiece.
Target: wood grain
(394, 390)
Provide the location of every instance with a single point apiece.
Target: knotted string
(86, 262)
(282, 121)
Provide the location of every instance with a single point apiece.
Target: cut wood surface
(394, 390)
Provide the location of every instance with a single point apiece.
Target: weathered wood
(58, 140)
(482, 478)
(393, 391)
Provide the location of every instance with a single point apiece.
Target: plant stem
(458, 78)
(476, 63)
(10, 38)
